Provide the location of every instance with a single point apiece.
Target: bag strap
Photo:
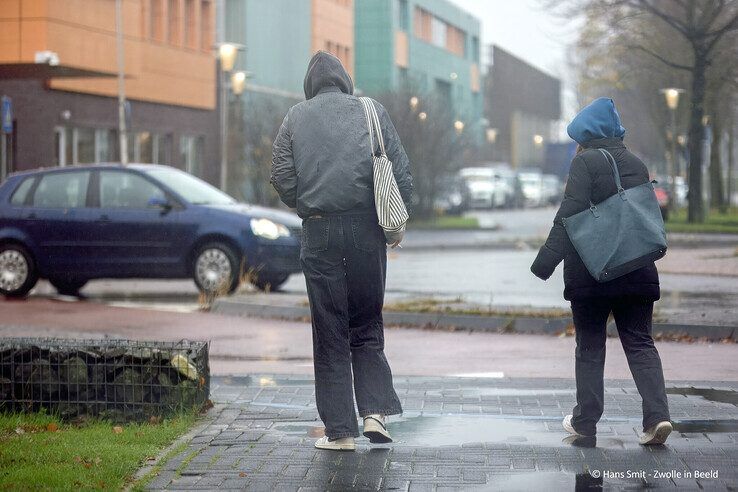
(375, 128)
(615, 172)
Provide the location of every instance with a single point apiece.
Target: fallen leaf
(118, 429)
(87, 465)
(154, 419)
(52, 427)
(97, 460)
(78, 459)
(242, 474)
(19, 431)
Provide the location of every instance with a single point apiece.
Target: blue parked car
(70, 225)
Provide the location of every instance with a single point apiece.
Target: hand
(394, 239)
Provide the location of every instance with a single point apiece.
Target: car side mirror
(161, 203)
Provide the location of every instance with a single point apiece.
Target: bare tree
(706, 28)
(433, 145)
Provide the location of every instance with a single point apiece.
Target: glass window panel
(438, 32)
(120, 189)
(19, 197)
(62, 190)
(85, 142)
(145, 146)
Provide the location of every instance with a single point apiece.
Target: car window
(62, 190)
(127, 190)
(21, 192)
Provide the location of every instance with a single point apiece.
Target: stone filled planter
(120, 380)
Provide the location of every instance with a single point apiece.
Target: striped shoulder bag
(391, 210)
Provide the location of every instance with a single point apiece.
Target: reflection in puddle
(448, 430)
(525, 482)
(706, 426)
(716, 395)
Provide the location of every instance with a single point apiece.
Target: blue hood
(598, 120)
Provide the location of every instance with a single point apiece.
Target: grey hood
(325, 70)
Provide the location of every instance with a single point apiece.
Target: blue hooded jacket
(599, 119)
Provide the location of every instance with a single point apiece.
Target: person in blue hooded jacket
(629, 298)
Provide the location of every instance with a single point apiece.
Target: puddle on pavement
(716, 395)
(470, 392)
(525, 482)
(452, 430)
(711, 426)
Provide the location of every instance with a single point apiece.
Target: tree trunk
(696, 212)
(716, 170)
(731, 159)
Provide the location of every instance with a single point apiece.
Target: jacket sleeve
(396, 154)
(284, 176)
(576, 199)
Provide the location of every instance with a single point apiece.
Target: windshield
(192, 189)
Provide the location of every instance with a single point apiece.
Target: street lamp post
(122, 130)
(227, 56)
(672, 102)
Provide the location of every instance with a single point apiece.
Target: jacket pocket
(367, 234)
(315, 234)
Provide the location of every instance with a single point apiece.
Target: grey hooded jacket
(322, 161)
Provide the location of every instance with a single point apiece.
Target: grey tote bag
(621, 234)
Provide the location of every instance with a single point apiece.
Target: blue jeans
(344, 258)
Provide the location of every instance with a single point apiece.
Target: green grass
(458, 307)
(39, 451)
(716, 222)
(445, 222)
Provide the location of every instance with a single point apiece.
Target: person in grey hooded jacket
(322, 166)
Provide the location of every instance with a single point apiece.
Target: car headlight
(268, 229)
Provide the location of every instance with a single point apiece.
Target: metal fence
(120, 380)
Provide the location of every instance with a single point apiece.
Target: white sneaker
(570, 428)
(375, 429)
(656, 434)
(341, 444)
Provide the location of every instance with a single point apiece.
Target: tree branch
(671, 20)
(663, 60)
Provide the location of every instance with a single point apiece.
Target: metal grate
(120, 380)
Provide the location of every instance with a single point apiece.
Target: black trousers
(344, 259)
(633, 317)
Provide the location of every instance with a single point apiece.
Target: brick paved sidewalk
(501, 434)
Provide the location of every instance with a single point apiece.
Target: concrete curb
(489, 324)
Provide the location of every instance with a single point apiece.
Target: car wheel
(17, 271)
(216, 269)
(68, 286)
(269, 283)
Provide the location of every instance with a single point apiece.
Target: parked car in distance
(531, 184)
(74, 224)
(664, 198)
(488, 187)
(553, 189)
(453, 198)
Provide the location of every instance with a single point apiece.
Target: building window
(162, 149)
(189, 24)
(175, 18)
(422, 24)
(404, 15)
(156, 20)
(438, 32)
(191, 154)
(475, 49)
(206, 25)
(84, 145)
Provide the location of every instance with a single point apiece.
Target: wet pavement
(254, 345)
(487, 434)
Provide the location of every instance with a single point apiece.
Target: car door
(134, 234)
(57, 217)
